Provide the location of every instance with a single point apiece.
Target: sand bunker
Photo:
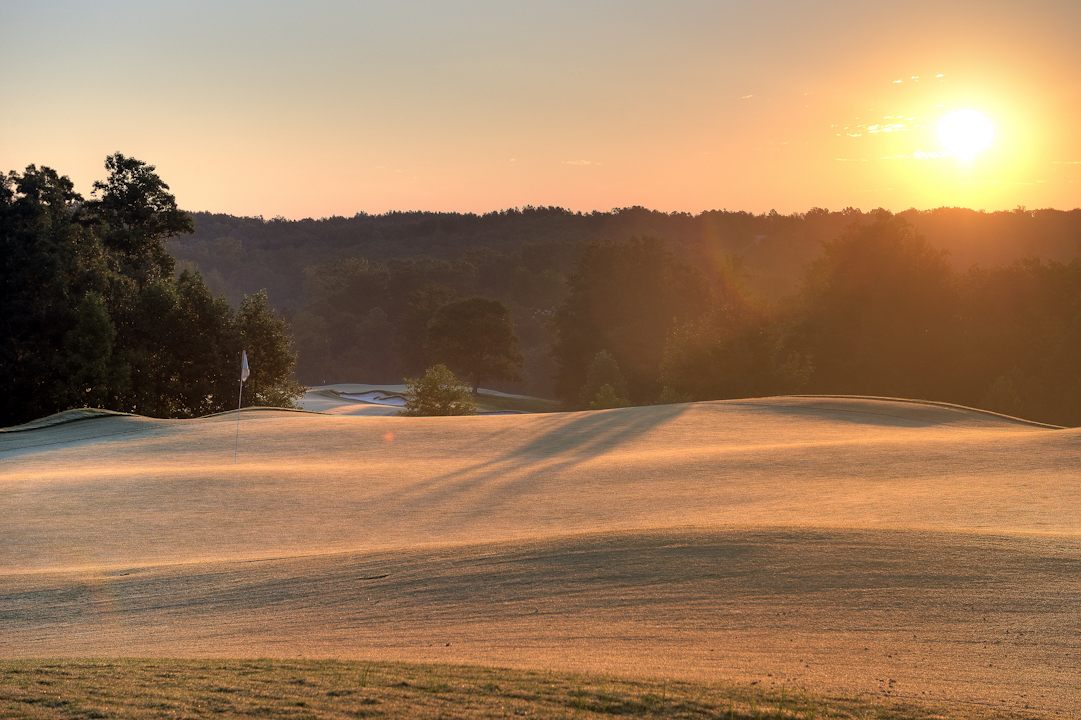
(837, 542)
(374, 400)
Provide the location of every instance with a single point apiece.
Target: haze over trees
(240, 255)
(605, 386)
(946, 304)
(91, 314)
(360, 291)
(625, 298)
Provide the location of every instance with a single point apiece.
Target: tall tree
(475, 337)
(48, 264)
(85, 363)
(603, 371)
(413, 326)
(137, 214)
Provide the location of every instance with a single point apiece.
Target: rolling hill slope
(848, 544)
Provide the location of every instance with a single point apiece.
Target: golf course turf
(896, 556)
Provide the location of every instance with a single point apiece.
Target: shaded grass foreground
(167, 688)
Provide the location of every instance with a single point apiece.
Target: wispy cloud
(860, 129)
(887, 127)
(1066, 162)
(744, 97)
(850, 159)
(580, 162)
(918, 155)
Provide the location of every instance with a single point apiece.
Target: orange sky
(332, 108)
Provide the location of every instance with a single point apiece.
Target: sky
(329, 107)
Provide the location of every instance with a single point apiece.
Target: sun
(965, 132)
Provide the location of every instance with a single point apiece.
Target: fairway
(847, 545)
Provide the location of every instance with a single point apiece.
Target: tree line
(240, 255)
(360, 291)
(881, 312)
(97, 310)
(93, 314)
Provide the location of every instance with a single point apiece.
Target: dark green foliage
(475, 337)
(48, 264)
(884, 313)
(413, 326)
(245, 254)
(266, 338)
(90, 315)
(135, 214)
(522, 257)
(85, 359)
(438, 392)
(883, 310)
(603, 373)
(339, 332)
(369, 320)
(625, 298)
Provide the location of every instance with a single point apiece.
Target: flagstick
(239, 401)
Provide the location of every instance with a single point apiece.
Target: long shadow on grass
(583, 437)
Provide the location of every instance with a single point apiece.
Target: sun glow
(965, 132)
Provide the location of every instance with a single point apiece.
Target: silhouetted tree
(135, 215)
(48, 264)
(1022, 328)
(879, 314)
(90, 314)
(412, 332)
(85, 364)
(475, 337)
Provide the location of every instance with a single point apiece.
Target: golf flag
(240, 400)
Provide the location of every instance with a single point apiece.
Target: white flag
(244, 366)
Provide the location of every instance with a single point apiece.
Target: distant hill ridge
(240, 255)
